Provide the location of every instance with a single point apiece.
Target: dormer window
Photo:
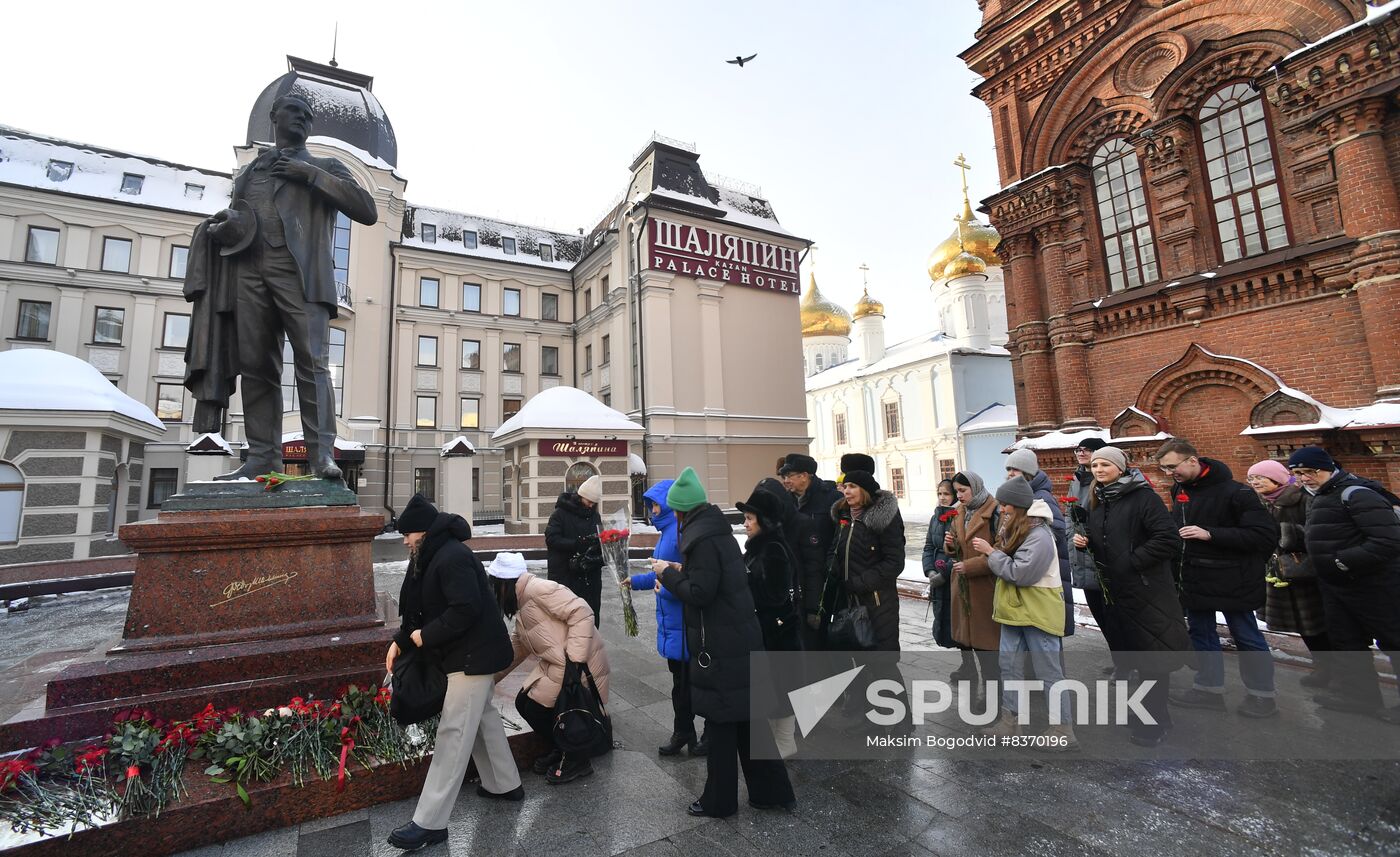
(194, 191)
(427, 233)
(469, 240)
(60, 171)
(131, 183)
(546, 253)
(508, 246)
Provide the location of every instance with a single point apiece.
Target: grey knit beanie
(1025, 461)
(1016, 492)
(1113, 454)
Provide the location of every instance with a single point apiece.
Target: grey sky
(849, 118)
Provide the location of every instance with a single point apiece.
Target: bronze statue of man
(275, 273)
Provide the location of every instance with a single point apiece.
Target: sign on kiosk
(572, 448)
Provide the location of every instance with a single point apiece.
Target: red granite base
(212, 813)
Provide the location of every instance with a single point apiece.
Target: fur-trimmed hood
(884, 506)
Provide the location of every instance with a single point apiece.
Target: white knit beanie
(592, 489)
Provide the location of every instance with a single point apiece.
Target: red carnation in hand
(1069, 499)
(1182, 497)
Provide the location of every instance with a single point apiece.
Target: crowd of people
(1305, 545)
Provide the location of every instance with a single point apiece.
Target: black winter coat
(770, 563)
(867, 557)
(721, 629)
(816, 505)
(1134, 542)
(1227, 572)
(1361, 533)
(802, 539)
(445, 594)
(565, 534)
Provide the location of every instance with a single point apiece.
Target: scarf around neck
(979, 491)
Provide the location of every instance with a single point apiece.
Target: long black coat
(770, 562)
(802, 539)
(569, 523)
(867, 557)
(445, 594)
(1134, 542)
(721, 629)
(1362, 533)
(1227, 572)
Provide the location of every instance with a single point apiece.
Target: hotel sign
(575, 448)
(695, 251)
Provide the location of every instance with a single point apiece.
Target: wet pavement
(635, 802)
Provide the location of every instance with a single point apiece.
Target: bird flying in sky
(739, 61)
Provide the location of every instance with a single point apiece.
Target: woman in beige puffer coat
(555, 626)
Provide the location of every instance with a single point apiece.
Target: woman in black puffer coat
(575, 557)
(1133, 541)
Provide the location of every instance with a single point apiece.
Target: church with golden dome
(927, 406)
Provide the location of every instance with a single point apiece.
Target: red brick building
(1200, 224)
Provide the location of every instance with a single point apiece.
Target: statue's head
(292, 118)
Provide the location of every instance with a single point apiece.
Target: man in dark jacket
(815, 497)
(449, 613)
(1353, 538)
(721, 632)
(1228, 537)
(575, 558)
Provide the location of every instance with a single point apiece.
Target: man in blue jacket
(670, 625)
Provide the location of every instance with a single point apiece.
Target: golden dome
(978, 239)
(868, 306)
(821, 317)
(963, 264)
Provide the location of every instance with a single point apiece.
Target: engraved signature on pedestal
(240, 588)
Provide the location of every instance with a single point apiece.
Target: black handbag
(851, 629)
(419, 685)
(581, 723)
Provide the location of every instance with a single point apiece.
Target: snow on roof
(1060, 439)
(36, 379)
(207, 439)
(1381, 414)
(460, 440)
(360, 154)
(566, 408)
(1034, 175)
(25, 160)
(739, 208)
(995, 415)
(635, 465)
(913, 350)
(1134, 409)
(452, 225)
(1372, 14)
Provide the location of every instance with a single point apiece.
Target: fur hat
(763, 505)
(857, 461)
(1025, 461)
(592, 489)
(863, 479)
(418, 516)
(796, 462)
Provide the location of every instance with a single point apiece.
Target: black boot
(676, 743)
(411, 837)
(701, 747)
(546, 763)
(966, 672)
(570, 768)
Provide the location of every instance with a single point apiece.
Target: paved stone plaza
(635, 803)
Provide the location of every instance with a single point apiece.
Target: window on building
(471, 413)
(340, 257)
(11, 503)
(60, 171)
(549, 360)
(546, 253)
(43, 246)
(335, 364)
(427, 291)
(607, 398)
(509, 408)
(33, 320)
(508, 246)
(603, 286)
(165, 481)
(476, 484)
(839, 429)
(512, 302)
(820, 362)
(426, 412)
(897, 481)
(107, 325)
(605, 354)
(947, 468)
(177, 330)
(891, 419)
(1129, 252)
(587, 301)
(427, 351)
(425, 482)
(469, 240)
(510, 357)
(1244, 188)
(549, 307)
(194, 191)
(577, 474)
(427, 233)
(179, 261)
(116, 255)
(471, 354)
(588, 358)
(471, 297)
(132, 182)
(170, 402)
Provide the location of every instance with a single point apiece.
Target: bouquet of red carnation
(947, 516)
(613, 542)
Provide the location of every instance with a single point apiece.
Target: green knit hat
(686, 493)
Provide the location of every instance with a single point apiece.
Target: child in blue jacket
(670, 628)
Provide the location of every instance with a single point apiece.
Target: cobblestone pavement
(635, 803)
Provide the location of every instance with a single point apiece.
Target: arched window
(1244, 190)
(11, 502)
(579, 473)
(1127, 234)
